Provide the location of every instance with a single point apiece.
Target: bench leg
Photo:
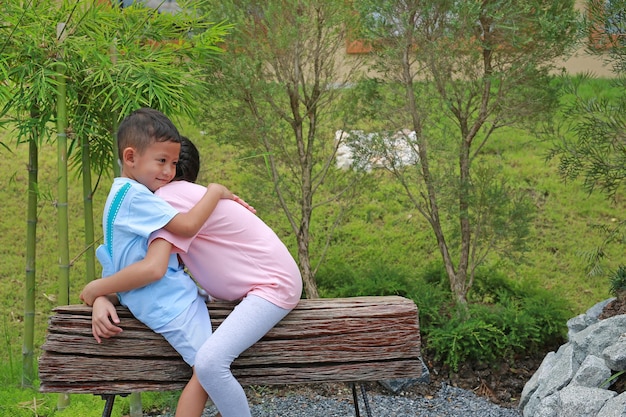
(108, 405)
(355, 398)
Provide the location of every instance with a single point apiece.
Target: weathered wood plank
(336, 307)
(324, 340)
(363, 333)
(89, 368)
(252, 376)
(288, 328)
(321, 349)
(343, 372)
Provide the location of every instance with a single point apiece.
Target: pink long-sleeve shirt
(235, 253)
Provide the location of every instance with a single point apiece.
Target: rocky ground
(502, 383)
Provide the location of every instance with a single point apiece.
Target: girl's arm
(141, 273)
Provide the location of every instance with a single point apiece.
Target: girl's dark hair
(188, 166)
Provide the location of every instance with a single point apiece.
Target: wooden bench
(350, 340)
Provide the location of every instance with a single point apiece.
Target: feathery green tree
(454, 72)
(591, 142)
(28, 91)
(159, 63)
(280, 88)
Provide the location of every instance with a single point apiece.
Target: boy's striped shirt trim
(113, 210)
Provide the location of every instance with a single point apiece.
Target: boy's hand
(104, 319)
(243, 203)
(222, 190)
(227, 194)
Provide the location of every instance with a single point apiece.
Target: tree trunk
(456, 278)
(458, 284)
(308, 279)
(303, 237)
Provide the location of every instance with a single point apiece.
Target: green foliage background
(382, 247)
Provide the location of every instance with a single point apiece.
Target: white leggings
(247, 323)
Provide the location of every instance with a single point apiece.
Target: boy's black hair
(144, 127)
(188, 166)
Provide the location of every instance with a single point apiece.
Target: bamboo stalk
(28, 373)
(62, 186)
(90, 254)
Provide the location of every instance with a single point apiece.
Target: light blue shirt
(131, 213)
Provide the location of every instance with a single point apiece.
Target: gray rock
(614, 407)
(579, 401)
(547, 407)
(538, 378)
(557, 375)
(597, 337)
(585, 320)
(563, 370)
(576, 324)
(594, 312)
(615, 355)
(572, 382)
(592, 373)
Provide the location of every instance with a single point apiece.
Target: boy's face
(155, 167)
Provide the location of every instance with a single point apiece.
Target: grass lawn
(563, 232)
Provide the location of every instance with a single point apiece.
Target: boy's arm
(141, 273)
(189, 224)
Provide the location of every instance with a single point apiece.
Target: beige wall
(582, 62)
(579, 63)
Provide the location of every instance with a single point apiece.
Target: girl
(235, 256)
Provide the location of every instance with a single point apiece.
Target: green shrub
(498, 331)
(462, 340)
(433, 302)
(336, 280)
(490, 284)
(617, 282)
(434, 273)
(551, 313)
(339, 280)
(504, 318)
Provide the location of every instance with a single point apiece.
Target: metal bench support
(108, 405)
(355, 398)
(110, 400)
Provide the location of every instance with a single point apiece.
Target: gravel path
(448, 402)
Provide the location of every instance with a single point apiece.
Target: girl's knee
(211, 364)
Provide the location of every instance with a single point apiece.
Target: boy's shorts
(187, 332)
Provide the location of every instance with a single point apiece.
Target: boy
(148, 148)
(235, 256)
